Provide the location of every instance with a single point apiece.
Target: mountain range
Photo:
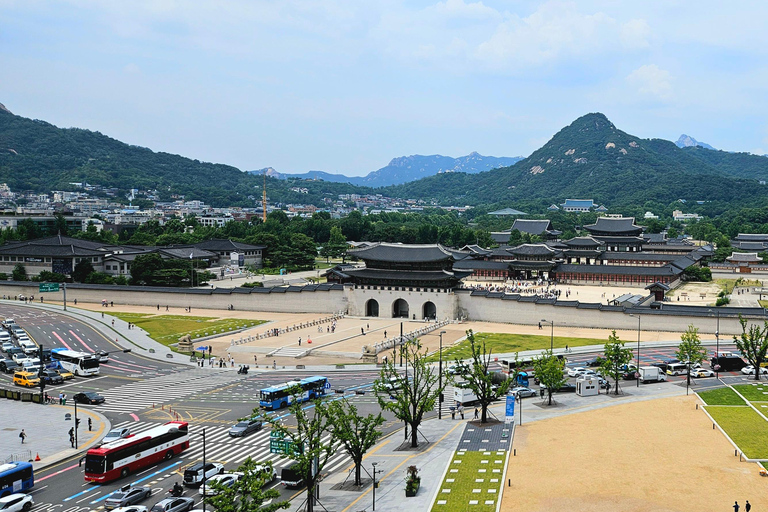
(405, 169)
(590, 158)
(686, 141)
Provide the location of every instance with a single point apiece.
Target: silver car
(127, 495)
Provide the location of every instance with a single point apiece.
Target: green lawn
(745, 427)
(501, 343)
(721, 396)
(462, 480)
(754, 393)
(167, 329)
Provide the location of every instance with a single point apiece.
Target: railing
(24, 456)
(400, 340)
(278, 331)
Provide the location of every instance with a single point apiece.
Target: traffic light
(77, 422)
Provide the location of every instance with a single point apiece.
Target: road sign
(48, 287)
(509, 416)
(327, 385)
(277, 444)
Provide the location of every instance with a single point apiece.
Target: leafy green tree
(479, 379)
(144, 267)
(82, 270)
(616, 358)
(46, 276)
(248, 493)
(549, 370)
(310, 452)
(690, 349)
(356, 433)
(19, 272)
(336, 245)
(753, 343)
(417, 391)
(696, 273)
(99, 278)
(60, 226)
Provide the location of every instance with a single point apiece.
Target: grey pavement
(47, 431)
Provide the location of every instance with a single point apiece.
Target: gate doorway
(400, 309)
(372, 308)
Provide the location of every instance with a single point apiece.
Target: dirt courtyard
(654, 455)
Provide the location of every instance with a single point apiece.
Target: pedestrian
(64, 399)
(75, 301)
(90, 424)
(735, 506)
(461, 411)
(102, 314)
(113, 322)
(539, 325)
(747, 507)
(111, 303)
(362, 331)
(274, 364)
(299, 340)
(367, 327)
(61, 398)
(566, 348)
(385, 334)
(22, 435)
(158, 307)
(255, 359)
(166, 307)
(72, 436)
(476, 412)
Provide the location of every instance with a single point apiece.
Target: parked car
(523, 392)
(702, 372)
(576, 371)
(565, 388)
(245, 427)
(16, 502)
(131, 508)
(173, 505)
(750, 370)
(224, 479)
(51, 377)
(115, 434)
(88, 397)
(127, 495)
(197, 473)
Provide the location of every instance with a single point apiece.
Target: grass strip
(752, 392)
(464, 484)
(721, 396)
(745, 427)
(501, 343)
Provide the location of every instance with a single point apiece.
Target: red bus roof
(135, 438)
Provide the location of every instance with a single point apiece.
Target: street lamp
(638, 347)
(552, 334)
(717, 346)
(203, 482)
(439, 384)
(374, 482)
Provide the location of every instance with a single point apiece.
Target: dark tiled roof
(403, 253)
(476, 249)
(745, 257)
(583, 241)
(614, 225)
(532, 250)
(752, 237)
(637, 256)
(399, 275)
(532, 265)
(531, 226)
(635, 240)
(184, 252)
(666, 270)
(470, 264)
(751, 246)
(655, 238)
(500, 237)
(226, 245)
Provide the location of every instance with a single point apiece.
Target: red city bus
(127, 455)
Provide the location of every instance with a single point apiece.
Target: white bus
(77, 363)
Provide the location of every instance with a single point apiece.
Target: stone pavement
(47, 431)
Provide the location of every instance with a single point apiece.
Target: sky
(346, 85)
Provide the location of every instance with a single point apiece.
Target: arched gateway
(400, 309)
(372, 308)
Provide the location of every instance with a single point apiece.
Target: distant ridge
(686, 141)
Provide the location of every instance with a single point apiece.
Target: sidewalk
(47, 431)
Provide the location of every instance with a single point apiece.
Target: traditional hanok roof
(655, 238)
(532, 226)
(751, 246)
(666, 270)
(56, 246)
(181, 253)
(744, 257)
(532, 265)
(615, 226)
(507, 211)
(620, 240)
(578, 203)
(500, 237)
(226, 245)
(405, 253)
(532, 250)
(553, 208)
(471, 264)
(476, 250)
(657, 286)
(752, 237)
(583, 242)
(412, 276)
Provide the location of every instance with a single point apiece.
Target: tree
(416, 392)
(46, 276)
(19, 272)
(309, 451)
(337, 243)
(82, 270)
(616, 358)
(143, 268)
(753, 344)
(248, 494)
(690, 349)
(357, 433)
(479, 379)
(549, 370)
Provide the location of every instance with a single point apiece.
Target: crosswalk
(220, 447)
(140, 395)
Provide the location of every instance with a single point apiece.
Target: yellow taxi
(65, 374)
(27, 379)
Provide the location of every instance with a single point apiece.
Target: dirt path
(656, 455)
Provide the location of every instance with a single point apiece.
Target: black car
(88, 397)
(594, 362)
(8, 365)
(127, 495)
(51, 377)
(567, 388)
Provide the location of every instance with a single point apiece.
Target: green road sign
(48, 287)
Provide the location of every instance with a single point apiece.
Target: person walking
(255, 359)
(299, 340)
(64, 399)
(22, 435)
(113, 322)
(735, 506)
(61, 398)
(461, 411)
(90, 424)
(747, 506)
(476, 412)
(274, 364)
(72, 437)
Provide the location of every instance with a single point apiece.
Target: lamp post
(717, 346)
(374, 483)
(439, 385)
(203, 482)
(638, 348)
(552, 334)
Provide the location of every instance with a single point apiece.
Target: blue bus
(275, 397)
(16, 477)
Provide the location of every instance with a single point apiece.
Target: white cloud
(652, 81)
(635, 34)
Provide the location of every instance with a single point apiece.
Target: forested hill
(592, 159)
(38, 156)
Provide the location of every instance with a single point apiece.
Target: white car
(575, 372)
(115, 434)
(225, 479)
(750, 370)
(131, 508)
(702, 372)
(16, 502)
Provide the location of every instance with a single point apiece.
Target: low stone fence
(274, 332)
(400, 340)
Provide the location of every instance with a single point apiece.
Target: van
(291, 477)
(26, 379)
(728, 362)
(677, 369)
(196, 474)
(28, 346)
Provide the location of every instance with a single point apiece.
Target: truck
(463, 396)
(651, 374)
(727, 362)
